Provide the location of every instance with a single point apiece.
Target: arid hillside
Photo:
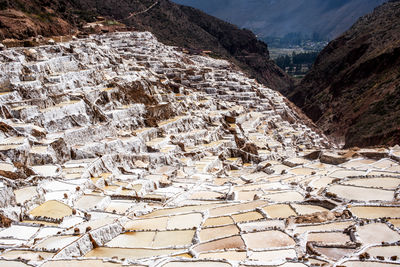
(353, 90)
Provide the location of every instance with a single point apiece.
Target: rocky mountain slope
(171, 23)
(353, 90)
(117, 150)
(330, 18)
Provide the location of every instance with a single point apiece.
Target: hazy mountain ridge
(328, 18)
(353, 90)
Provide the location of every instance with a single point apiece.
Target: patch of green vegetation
(111, 23)
(43, 17)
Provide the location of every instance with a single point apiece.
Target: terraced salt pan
(395, 222)
(328, 237)
(267, 239)
(247, 216)
(207, 234)
(368, 234)
(8, 167)
(25, 194)
(307, 209)
(27, 255)
(221, 244)
(323, 227)
(19, 232)
(369, 264)
(374, 212)
(384, 251)
(346, 173)
(360, 193)
(52, 209)
(197, 264)
(217, 221)
(285, 196)
(262, 225)
(148, 192)
(55, 243)
(279, 211)
(82, 263)
(226, 255)
(382, 182)
(334, 253)
(127, 253)
(46, 170)
(273, 255)
(7, 263)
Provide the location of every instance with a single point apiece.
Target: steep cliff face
(353, 90)
(171, 23)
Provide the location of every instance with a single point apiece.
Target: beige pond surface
(216, 221)
(323, 227)
(82, 263)
(321, 182)
(267, 239)
(186, 221)
(382, 182)
(307, 209)
(26, 255)
(8, 167)
(236, 208)
(52, 209)
(385, 251)
(6, 263)
(226, 255)
(285, 196)
(361, 194)
(56, 242)
(358, 164)
(279, 211)
(247, 216)
(368, 234)
(329, 238)
(334, 253)
(147, 224)
(197, 264)
(374, 212)
(131, 253)
(273, 255)
(46, 170)
(173, 238)
(346, 173)
(88, 201)
(24, 194)
(218, 232)
(221, 244)
(152, 239)
(262, 225)
(368, 264)
(302, 171)
(395, 222)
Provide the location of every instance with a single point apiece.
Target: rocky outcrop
(352, 90)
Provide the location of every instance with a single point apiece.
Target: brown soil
(4, 221)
